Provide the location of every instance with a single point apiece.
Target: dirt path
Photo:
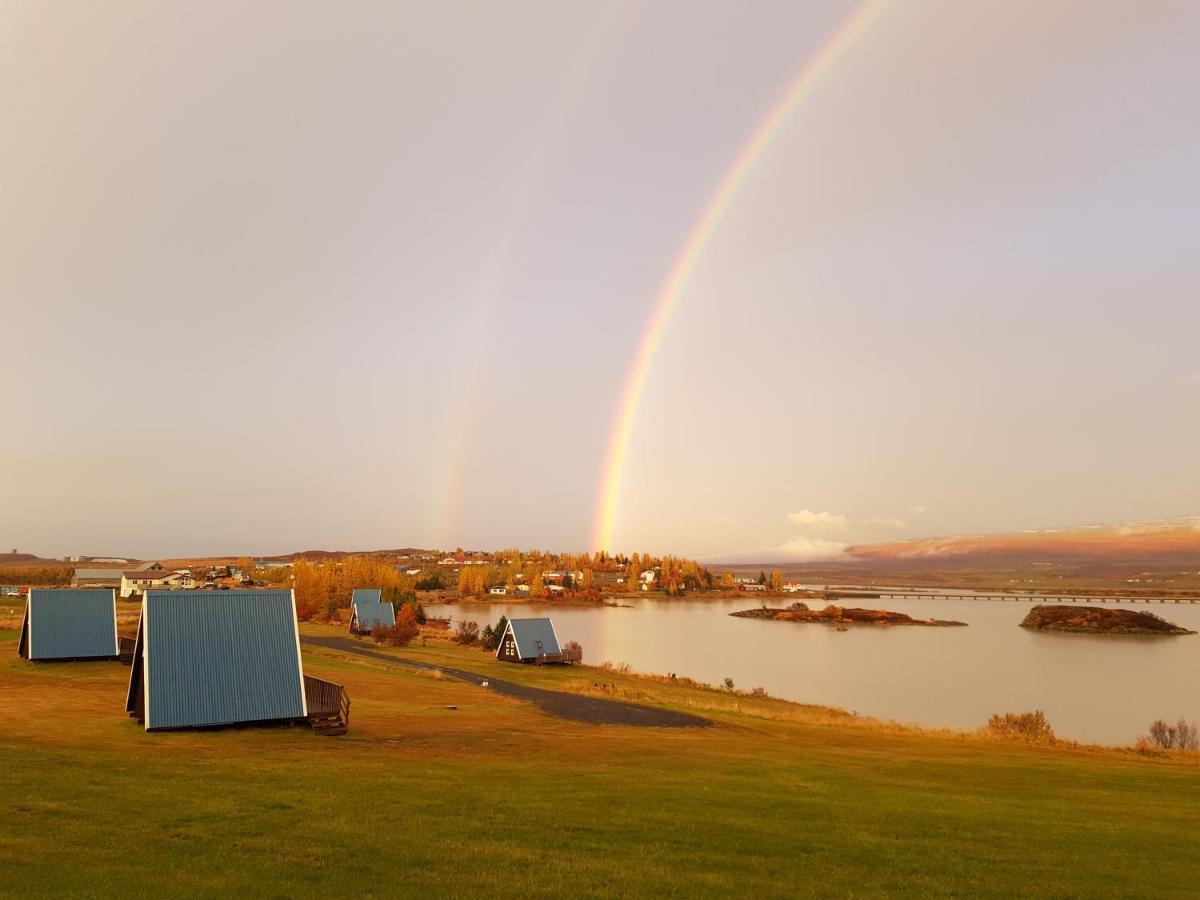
(595, 710)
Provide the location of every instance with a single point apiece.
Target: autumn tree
(776, 580)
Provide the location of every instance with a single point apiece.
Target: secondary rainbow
(806, 79)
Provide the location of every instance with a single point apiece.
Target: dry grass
(780, 799)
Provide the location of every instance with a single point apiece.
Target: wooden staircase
(328, 706)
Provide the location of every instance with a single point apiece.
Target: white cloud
(884, 522)
(818, 521)
(918, 510)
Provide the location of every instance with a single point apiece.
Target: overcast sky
(276, 276)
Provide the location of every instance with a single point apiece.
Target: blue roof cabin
(69, 624)
(219, 658)
(531, 641)
(367, 611)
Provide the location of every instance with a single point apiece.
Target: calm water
(1092, 688)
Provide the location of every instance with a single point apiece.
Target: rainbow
(800, 87)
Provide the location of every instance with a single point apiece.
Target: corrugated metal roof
(534, 637)
(72, 623)
(98, 574)
(220, 658)
(369, 611)
(370, 594)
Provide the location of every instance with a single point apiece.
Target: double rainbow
(800, 87)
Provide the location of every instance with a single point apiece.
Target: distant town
(324, 579)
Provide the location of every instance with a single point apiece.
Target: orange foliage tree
(330, 583)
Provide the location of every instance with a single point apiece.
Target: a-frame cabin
(532, 641)
(69, 624)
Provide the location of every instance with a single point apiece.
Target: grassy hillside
(497, 798)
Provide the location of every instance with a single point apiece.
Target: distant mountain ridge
(1132, 540)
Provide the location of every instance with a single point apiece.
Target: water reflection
(1104, 689)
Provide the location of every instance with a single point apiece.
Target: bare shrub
(1180, 736)
(573, 645)
(1022, 726)
(607, 664)
(759, 692)
(728, 684)
(1147, 747)
(466, 633)
(624, 668)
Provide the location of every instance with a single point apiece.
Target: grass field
(496, 798)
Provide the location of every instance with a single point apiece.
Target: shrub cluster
(466, 633)
(402, 633)
(1022, 726)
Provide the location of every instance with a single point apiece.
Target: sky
(281, 276)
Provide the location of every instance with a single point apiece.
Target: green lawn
(496, 798)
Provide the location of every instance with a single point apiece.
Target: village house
(560, 577)
(793, 587)
(752, 587)
(138, 582)
(498, 589)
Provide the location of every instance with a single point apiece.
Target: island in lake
(1077, 620)
(838, 615)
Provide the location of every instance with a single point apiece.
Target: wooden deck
(565, 658)
(328, 706)
(125, 649)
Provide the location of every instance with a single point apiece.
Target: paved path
(596, 710)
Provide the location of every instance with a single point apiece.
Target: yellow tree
(776, 580)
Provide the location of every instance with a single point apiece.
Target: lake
(1094, 688)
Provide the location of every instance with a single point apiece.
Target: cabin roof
(534, 637)
(72, 623)
(370, 611)
(220, 658)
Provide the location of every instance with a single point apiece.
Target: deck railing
(569, 655)
(323, 697)
(328, 706)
